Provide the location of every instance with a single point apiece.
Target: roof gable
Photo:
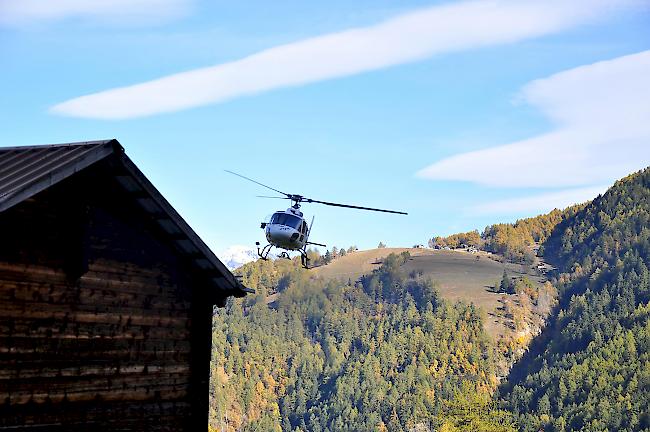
(26, 171)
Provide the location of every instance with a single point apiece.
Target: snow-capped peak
(237, 255)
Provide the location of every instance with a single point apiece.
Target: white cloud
(405, 38)
(539, 203)
(602, 115)
(15, 13)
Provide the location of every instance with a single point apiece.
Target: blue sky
(461, 113)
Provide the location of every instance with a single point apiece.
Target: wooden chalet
(106, 296)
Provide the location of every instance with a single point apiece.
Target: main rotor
(296, 199)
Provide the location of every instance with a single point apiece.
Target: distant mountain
(237, 255)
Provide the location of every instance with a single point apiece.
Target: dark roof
(26, 171)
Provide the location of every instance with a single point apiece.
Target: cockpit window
(286, 219)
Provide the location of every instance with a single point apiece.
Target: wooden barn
(106, 296)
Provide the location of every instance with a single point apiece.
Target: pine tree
(506, 285)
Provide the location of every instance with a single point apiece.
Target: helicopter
(288, 229)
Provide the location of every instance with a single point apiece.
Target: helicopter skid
(264, 254)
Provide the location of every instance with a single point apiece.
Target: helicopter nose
(280, 234)
(294, 236)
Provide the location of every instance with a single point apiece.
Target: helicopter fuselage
(287, 229)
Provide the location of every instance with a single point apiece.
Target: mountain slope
(458, 275)
(384, 354)
(591, 368)
(358, 263)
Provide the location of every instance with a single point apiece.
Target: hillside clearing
(460, 276)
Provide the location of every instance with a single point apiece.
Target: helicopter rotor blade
(255, 181)
(264, 196)
(309, 200)
(299, 198)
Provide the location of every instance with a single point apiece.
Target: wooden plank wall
(115, 349)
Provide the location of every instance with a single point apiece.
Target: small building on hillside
(106, 296)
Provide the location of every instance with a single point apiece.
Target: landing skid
(264, 254)
(304, 260)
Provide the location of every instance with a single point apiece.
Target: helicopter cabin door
(303, 231)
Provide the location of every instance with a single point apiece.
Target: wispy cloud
(601, 112)
(538, 203)
(15, 13)
(405, 38)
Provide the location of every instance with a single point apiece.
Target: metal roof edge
(72, 144)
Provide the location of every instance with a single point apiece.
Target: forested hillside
(512, 241)
(591, 369)
(386, 354)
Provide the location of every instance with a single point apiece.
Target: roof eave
(236, 288)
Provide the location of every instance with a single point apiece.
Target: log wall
(102, 325)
